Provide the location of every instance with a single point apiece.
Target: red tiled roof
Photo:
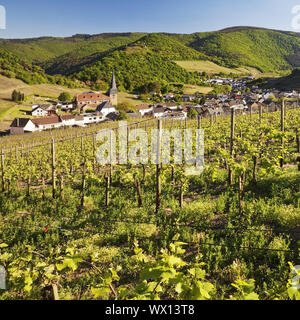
(92, 96)
(68, 117)
(143, 107)
(48, 120)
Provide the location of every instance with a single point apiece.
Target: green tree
(14, 96)
(17, 96)
(122, 116)
(192, 113)
(202, 100)
(64, 96)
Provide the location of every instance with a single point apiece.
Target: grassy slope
(190, 89)
(205, 66)
(291, 81)
(213, 68)
(159, 44)
(265, 50)
(46, 48)
(240, 49)
(88, 52)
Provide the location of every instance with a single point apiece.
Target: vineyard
(72, 228)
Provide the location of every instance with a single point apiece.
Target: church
(88, 100)
(113, 91)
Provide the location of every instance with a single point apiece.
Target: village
(95, 107)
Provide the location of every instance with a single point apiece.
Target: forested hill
(289, 82)
(138, 57)
(13, 67)
(266, 50)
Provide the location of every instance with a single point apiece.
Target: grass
(212, 68)
(190, 89)
(205, 66)
(128, 98)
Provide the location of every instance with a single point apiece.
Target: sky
(61, 18)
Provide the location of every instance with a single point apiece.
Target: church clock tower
(113, 91)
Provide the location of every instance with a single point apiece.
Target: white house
(158, 112)
(48, 123)
(144, 108)
(65, 106)
(171, 106)
(42, 110)
(106, 108)
(177, 115)
(22, 125)
(39, 112)
(96, 117)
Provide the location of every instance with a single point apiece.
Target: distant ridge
(91, 57)
(241, 28)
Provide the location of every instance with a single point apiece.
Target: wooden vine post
(138, 191)
(232, 134)
(260, 114)
(108, 175)
(83, 185)
(94, 151)
(2, 171)
(298, 140)
(254, 177)
(282, 130)
(181, 196)
(53, 169)
(158, 168)
(199, 122)
(107, 190)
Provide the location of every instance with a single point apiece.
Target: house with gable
(21, 126)
(106, 108)
(144, 109)
(42, 110)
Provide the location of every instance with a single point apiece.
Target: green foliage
(17, 96)
(59, 245)
(14, 67)
(65, 96)
(169, 276)
(122, 116)
(135, 70)
(148, 56)
(245, 290)
(192, 113)
(266, 50)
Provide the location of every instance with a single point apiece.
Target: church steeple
(113, 91)
(113, 81)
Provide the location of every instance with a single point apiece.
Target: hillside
(134, 68)
(265, 50)
(139, 58)
(291, 81)
(39, 50)
(160, 44)
(237, 48)
(15, 68)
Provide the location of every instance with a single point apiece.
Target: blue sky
(33, 18)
